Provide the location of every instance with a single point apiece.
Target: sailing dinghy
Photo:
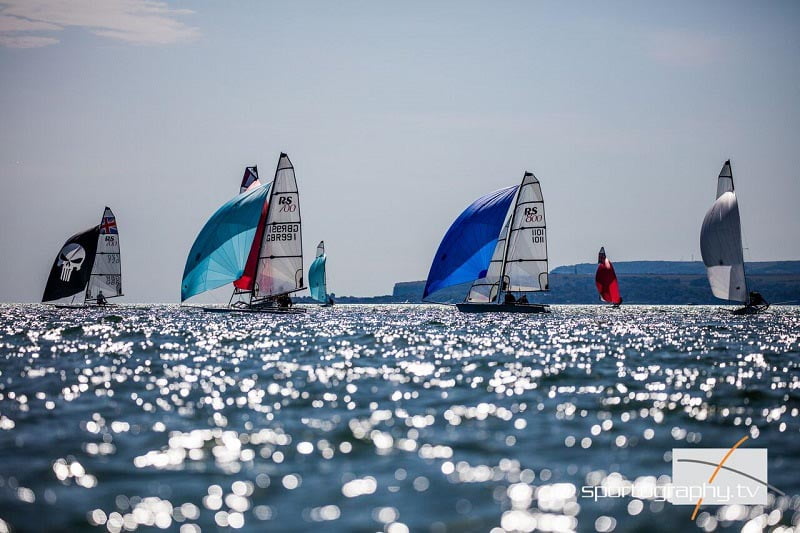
(317, 278)
(499, 243)
(88, 265)
(606, 280)
(255, 242)
(721, 247)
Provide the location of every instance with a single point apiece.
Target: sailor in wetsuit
(101, 299)
(756, 299)
(523, 299)
(509, 299)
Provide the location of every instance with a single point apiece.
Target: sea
(390, 418)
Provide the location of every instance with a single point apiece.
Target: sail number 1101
(283, 232)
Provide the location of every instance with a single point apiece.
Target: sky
(396, 115)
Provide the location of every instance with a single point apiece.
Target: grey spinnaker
(721, 242)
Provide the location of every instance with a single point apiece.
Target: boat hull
(503, 308)
(267, 310)
(83, 306)
(750, 309)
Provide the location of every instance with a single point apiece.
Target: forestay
(107, 270)
(525, 266)
(280, 263)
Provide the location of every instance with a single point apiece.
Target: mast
(321, 247)
(722, 185)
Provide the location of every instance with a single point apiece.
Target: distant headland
(641, 282)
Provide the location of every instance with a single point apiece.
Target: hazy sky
(396, 116)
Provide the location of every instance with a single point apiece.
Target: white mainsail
(280, 262)
(487, 288)
(721, 242)
(525, 265)
(725, 179)
(107, 269)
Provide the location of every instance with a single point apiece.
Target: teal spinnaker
(219, 252)
(316, 279)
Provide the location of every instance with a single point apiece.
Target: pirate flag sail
(88, 264)
(253, 241)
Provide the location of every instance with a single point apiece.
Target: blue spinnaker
(219, 252)
(316, 279)
(466, 250)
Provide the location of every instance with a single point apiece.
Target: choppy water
(392, 418)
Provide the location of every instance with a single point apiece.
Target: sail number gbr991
(282, 232)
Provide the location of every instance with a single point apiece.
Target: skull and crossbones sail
(87, 263)
(70, 259)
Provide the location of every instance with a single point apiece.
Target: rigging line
(528, 227)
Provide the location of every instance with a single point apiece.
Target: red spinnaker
(606, 280)
(248, 279)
